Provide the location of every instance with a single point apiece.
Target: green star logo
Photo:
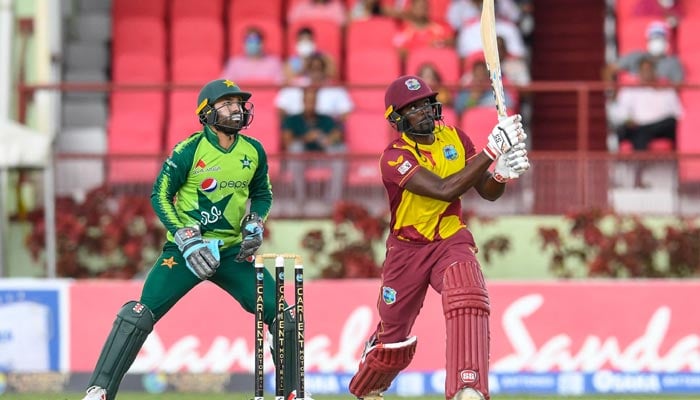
(211, 214)
(245, 162)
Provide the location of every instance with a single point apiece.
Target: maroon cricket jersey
(419, 218)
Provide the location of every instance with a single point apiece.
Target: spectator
(647, 112)
(327, 10)
(668, 67)
(311, 131)
(478, 92)
(514, 69)
(304, 47)
(432, 77)
(469, 36)
(460, 11)
(333, 99)
(374, 8)
(419, 31)
(254, 66)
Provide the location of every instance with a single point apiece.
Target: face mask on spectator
(657, 46)
(253, 46)
(305, 48)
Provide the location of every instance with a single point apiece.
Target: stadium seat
(182, 120)
(366, 136)
(450, 116)
(128, 36)
(631, 34)
(253, 9)
(477, 123)
(372, 67)
(656, 146)
(142, 68)
(213, 9)
(197, 37)
(687, 139)
(197, 69)
(368, 99)
(130, 8)
(271, 30)
(444, 59)
(328, 36)
(363, 34)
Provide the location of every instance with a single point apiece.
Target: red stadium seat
(271, 30)
(656, 146)
(327, 35)
(270, 10)
(197, 37)
(182, 120)
(631, 34)
(197, 69)
(449, 116)
(128, 36)
(364, 34)
(366, 136)
(477, 123)
(372, 67)
(445, 60)
(138, 68)
(130, 8)
(687, 138)
(213, 9)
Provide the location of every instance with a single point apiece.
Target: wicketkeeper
(201, 195)
(425, 172)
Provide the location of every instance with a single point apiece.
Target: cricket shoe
(95, 393)
(374, 395)
(469, 394)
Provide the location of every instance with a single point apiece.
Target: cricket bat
(488, 41)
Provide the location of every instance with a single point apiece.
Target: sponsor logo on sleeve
(403, 168)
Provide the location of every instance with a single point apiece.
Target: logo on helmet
(412, 84)
(468, 376)
(208, 185)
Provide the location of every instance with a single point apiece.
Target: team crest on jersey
(388, 295)
(412, 84)
(208, 185)
(450, 152)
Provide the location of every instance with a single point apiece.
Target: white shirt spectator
(331, 100)
(460, 11)
(645, 105)
(469, 38)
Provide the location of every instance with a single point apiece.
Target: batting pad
(380, 364)
(465, 303)
(131, 328)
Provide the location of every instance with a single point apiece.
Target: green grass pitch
(244, 396)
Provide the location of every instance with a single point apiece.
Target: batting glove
(506, 134)
(512, 164)
(252, 230)
(201, 257)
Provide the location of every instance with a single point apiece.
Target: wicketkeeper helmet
(215, 90)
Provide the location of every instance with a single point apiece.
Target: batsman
(425, 172)
(201, 196)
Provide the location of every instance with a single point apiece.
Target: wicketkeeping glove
(512, 164)
(201, 257)
(506, 134)
(252, 230)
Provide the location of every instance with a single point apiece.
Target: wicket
(298, 308)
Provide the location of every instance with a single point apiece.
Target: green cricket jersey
(203, 184)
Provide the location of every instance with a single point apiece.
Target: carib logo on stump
(209, 185)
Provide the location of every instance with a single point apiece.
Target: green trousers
(170, 279)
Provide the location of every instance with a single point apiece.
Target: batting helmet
(215, 90)
(404, 91)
